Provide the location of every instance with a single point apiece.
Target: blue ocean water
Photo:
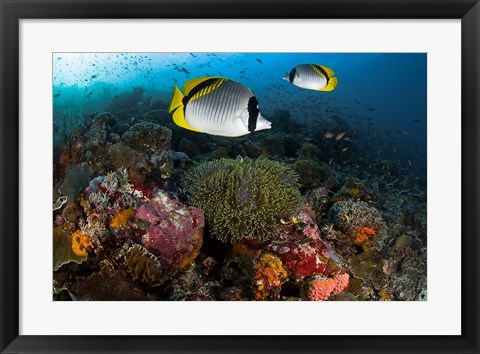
(381, 97)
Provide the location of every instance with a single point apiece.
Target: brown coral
(144, 266)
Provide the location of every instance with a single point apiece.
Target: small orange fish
(345, 149)
(340, 135)
(328, 135)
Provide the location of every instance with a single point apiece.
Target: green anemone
(243, 199)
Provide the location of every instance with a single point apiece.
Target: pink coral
(321, 289)
(341, 283)
(175, 232)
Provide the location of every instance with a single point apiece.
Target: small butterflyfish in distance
(217, 106)
(312, 77)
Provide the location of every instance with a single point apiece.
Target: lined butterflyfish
(312, 77)
(217, 106)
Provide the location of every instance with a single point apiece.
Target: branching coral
(148, 137)
(358, 220)
(243, 198)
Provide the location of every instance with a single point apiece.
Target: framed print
(239, 177)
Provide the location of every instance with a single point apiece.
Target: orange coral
(121, 218)
(364, 235)
(80, 242)
(268, 278)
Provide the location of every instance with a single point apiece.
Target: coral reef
(243, 199)
(329, 217)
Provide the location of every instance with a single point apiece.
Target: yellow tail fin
(176, 100)
(332, 83)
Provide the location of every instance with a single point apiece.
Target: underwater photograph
(239, 176)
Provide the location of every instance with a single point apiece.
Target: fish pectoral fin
(188, 86)
(241, 117)
(332, 83)
(179, 119)
(328, 71)
(176, 99)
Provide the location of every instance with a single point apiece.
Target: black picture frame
(12, 11)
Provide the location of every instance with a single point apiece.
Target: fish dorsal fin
(189, 85)
(205, 88)
(179, 119)
(332, 83)
(328, 70)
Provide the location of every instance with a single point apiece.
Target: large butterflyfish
(217, 106)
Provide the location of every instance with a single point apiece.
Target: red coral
(303, 251)
(300, 259)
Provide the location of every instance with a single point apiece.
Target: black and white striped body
(220, 111)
